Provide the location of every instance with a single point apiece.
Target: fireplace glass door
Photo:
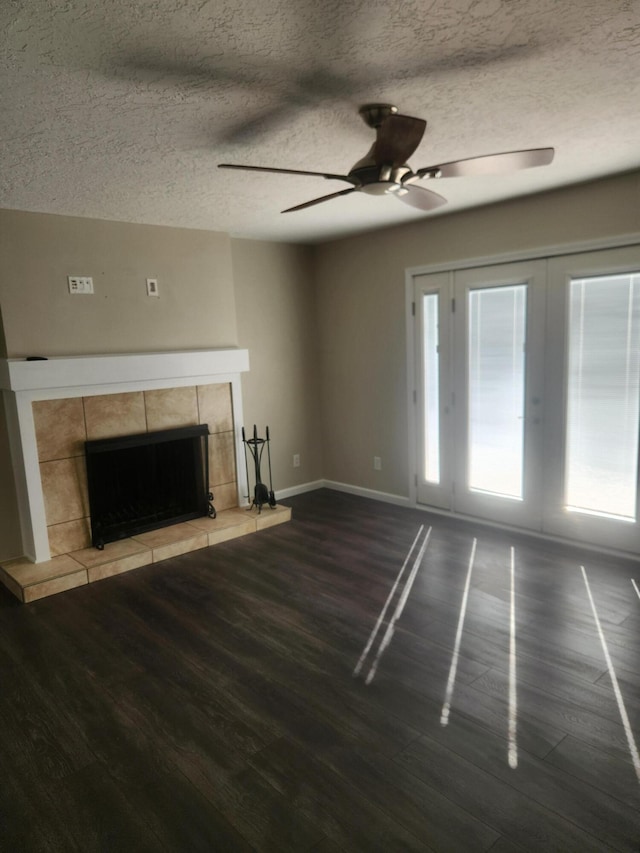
(142, 482)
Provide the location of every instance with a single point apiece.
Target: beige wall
(275, 300)
(3, 343)
(195, 309)
(361, 310)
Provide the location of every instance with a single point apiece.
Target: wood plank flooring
(208, 703)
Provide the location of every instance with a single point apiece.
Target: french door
(480, 390)
(593, 397)
(527, 402)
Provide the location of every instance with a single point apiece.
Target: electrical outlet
(296, 460)
(80, 283)
(152, 287)
(377, 463)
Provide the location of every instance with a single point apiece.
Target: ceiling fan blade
(491, 164)
(327, 175)
(421, 198)
(397, 138)
(319, 200)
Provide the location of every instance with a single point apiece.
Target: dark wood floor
(208, 703)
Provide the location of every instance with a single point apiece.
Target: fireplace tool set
(255, 446)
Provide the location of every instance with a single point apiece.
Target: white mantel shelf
(18, 374)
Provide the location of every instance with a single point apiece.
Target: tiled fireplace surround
(54, 406)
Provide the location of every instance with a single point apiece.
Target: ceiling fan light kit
(384, 169)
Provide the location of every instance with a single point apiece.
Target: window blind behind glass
(603, 395)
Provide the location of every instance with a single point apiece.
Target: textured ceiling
(122, 109)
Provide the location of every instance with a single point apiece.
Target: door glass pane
(497, 327)
(602, 397)
(431, 372)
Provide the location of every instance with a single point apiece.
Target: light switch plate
(80, 284)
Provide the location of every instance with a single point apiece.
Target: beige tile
(200, 524)
(60, 430)
(109, 415)
(171, 407)
(117, 567)
(69, 536)
(222, 463)
(112, 552)
(166, 535)
(270, 517)
(227, 533)
(225, 496)
(215, 408)
(26, 573)
(227, 520)
(172, 541)
(64, 487)
(52, 587)
(164, 552)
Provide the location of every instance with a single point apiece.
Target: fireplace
(104, 396)
(142, 482)
(56, 406)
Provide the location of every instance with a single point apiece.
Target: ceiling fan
(384, 169)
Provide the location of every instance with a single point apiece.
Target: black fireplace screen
(146, 481)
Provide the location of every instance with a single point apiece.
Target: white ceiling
(122, 109)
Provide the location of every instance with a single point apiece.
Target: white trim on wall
(385, 497)
(347, 488)
(301, 489)
(552, 251)
(94, 373)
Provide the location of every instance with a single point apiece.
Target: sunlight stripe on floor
(633, 749)
(513, 698)
(635, 586)
(383, 612)
(446, 708)
(388, 635)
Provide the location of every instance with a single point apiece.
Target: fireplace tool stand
(255, 446)
(211, 510)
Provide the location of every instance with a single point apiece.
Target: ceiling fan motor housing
(378, 179)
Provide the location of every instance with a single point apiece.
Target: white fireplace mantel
(23, 382)
(96, 371)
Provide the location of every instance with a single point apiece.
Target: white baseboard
(385, 497)
(299, 490)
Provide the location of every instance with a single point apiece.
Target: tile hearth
(30, 581)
